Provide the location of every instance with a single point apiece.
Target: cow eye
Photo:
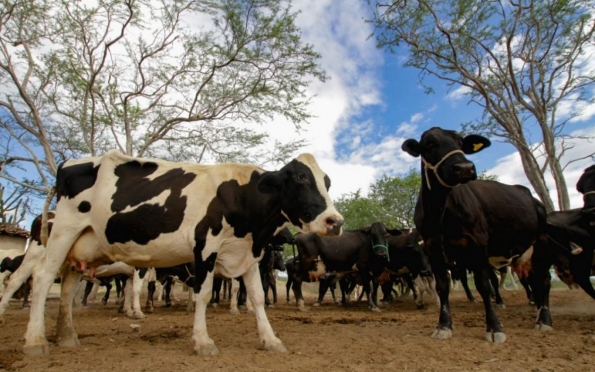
(301, 177)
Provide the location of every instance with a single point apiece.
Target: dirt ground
(325, 338)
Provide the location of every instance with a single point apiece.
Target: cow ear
(394, 232)
(271, 182)
(412, 147)
(475, 143)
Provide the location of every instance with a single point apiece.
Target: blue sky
(371, 104)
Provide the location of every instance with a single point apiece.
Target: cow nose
(465, 170)
(334, 225)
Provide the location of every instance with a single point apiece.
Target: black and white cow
(153, 213)
(481, 225)
(571, 237)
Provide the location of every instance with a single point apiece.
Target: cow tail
(44, 234)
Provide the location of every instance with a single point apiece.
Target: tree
(397, 197)
(357, 210)
(174, 79)
(518, 60)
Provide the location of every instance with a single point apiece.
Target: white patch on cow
(500, 261)
(319, 225)
(320, 270)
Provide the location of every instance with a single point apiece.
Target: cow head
(586, 186)
(278, 263)
(379, 235)
(303, 190)
(443, 152)
(4, 264)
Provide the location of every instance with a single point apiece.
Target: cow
(351, 252)
(480, 224)
(7, 254)
(8, 266)
(165, 275)
(273, 260)
(155, 213)
(571, 237)
(404, 257)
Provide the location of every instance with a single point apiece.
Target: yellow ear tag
(477, 146)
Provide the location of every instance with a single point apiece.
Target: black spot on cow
(84, 207)
(74, 179)
(201, 269)
(148, 221)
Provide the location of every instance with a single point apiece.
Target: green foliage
(391, 200)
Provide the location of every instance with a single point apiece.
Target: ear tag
(477, 146)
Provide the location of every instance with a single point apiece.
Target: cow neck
(270, 213)
(433, 198)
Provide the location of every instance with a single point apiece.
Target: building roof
(13, 230)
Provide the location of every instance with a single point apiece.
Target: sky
(371, 104)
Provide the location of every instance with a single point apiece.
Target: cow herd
(206, 223)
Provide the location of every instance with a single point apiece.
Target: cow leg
(268, 340)
(108, 288)
(465, 285)
(288, 287)
(149, 304)
(527, 287)
(233, 301)
(94, 290)
(20, 276)
(137, 285)
(44, 274)
(444, 328)
(540, 283)
(26, 292)
(203, 344)
(190, 304)
(66, 335)
(273, 286)
(494, 331)
(88, 288)
(418, 286)
(333, 288)
(169, 282)
(297, 293)
(323, 285)
(368, 291)
(496, 287)
(217, 283)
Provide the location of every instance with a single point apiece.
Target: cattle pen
(328, 338)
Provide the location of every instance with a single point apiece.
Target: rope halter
(588, 192)
(384, 247)
(435, 168)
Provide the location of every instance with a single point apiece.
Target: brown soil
(326, 338)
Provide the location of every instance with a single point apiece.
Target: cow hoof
(215, 305)
(544, 327)
(472, 300)
(234, 312)
(135, 315)
(250, 312)
(271, 306)
(69, 342)
(495, 337)
(501, 306)
(168, 305)
(103, 301)
(42, 350)
(208, 349)
(276, 347)
(376, 310)
(419, 306)
(442, 333)
(149, 310)
(316, 304)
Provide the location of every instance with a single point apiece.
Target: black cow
(165, 275)
(478, 224)
(404, 258)
(345, 254)
(571, 237)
